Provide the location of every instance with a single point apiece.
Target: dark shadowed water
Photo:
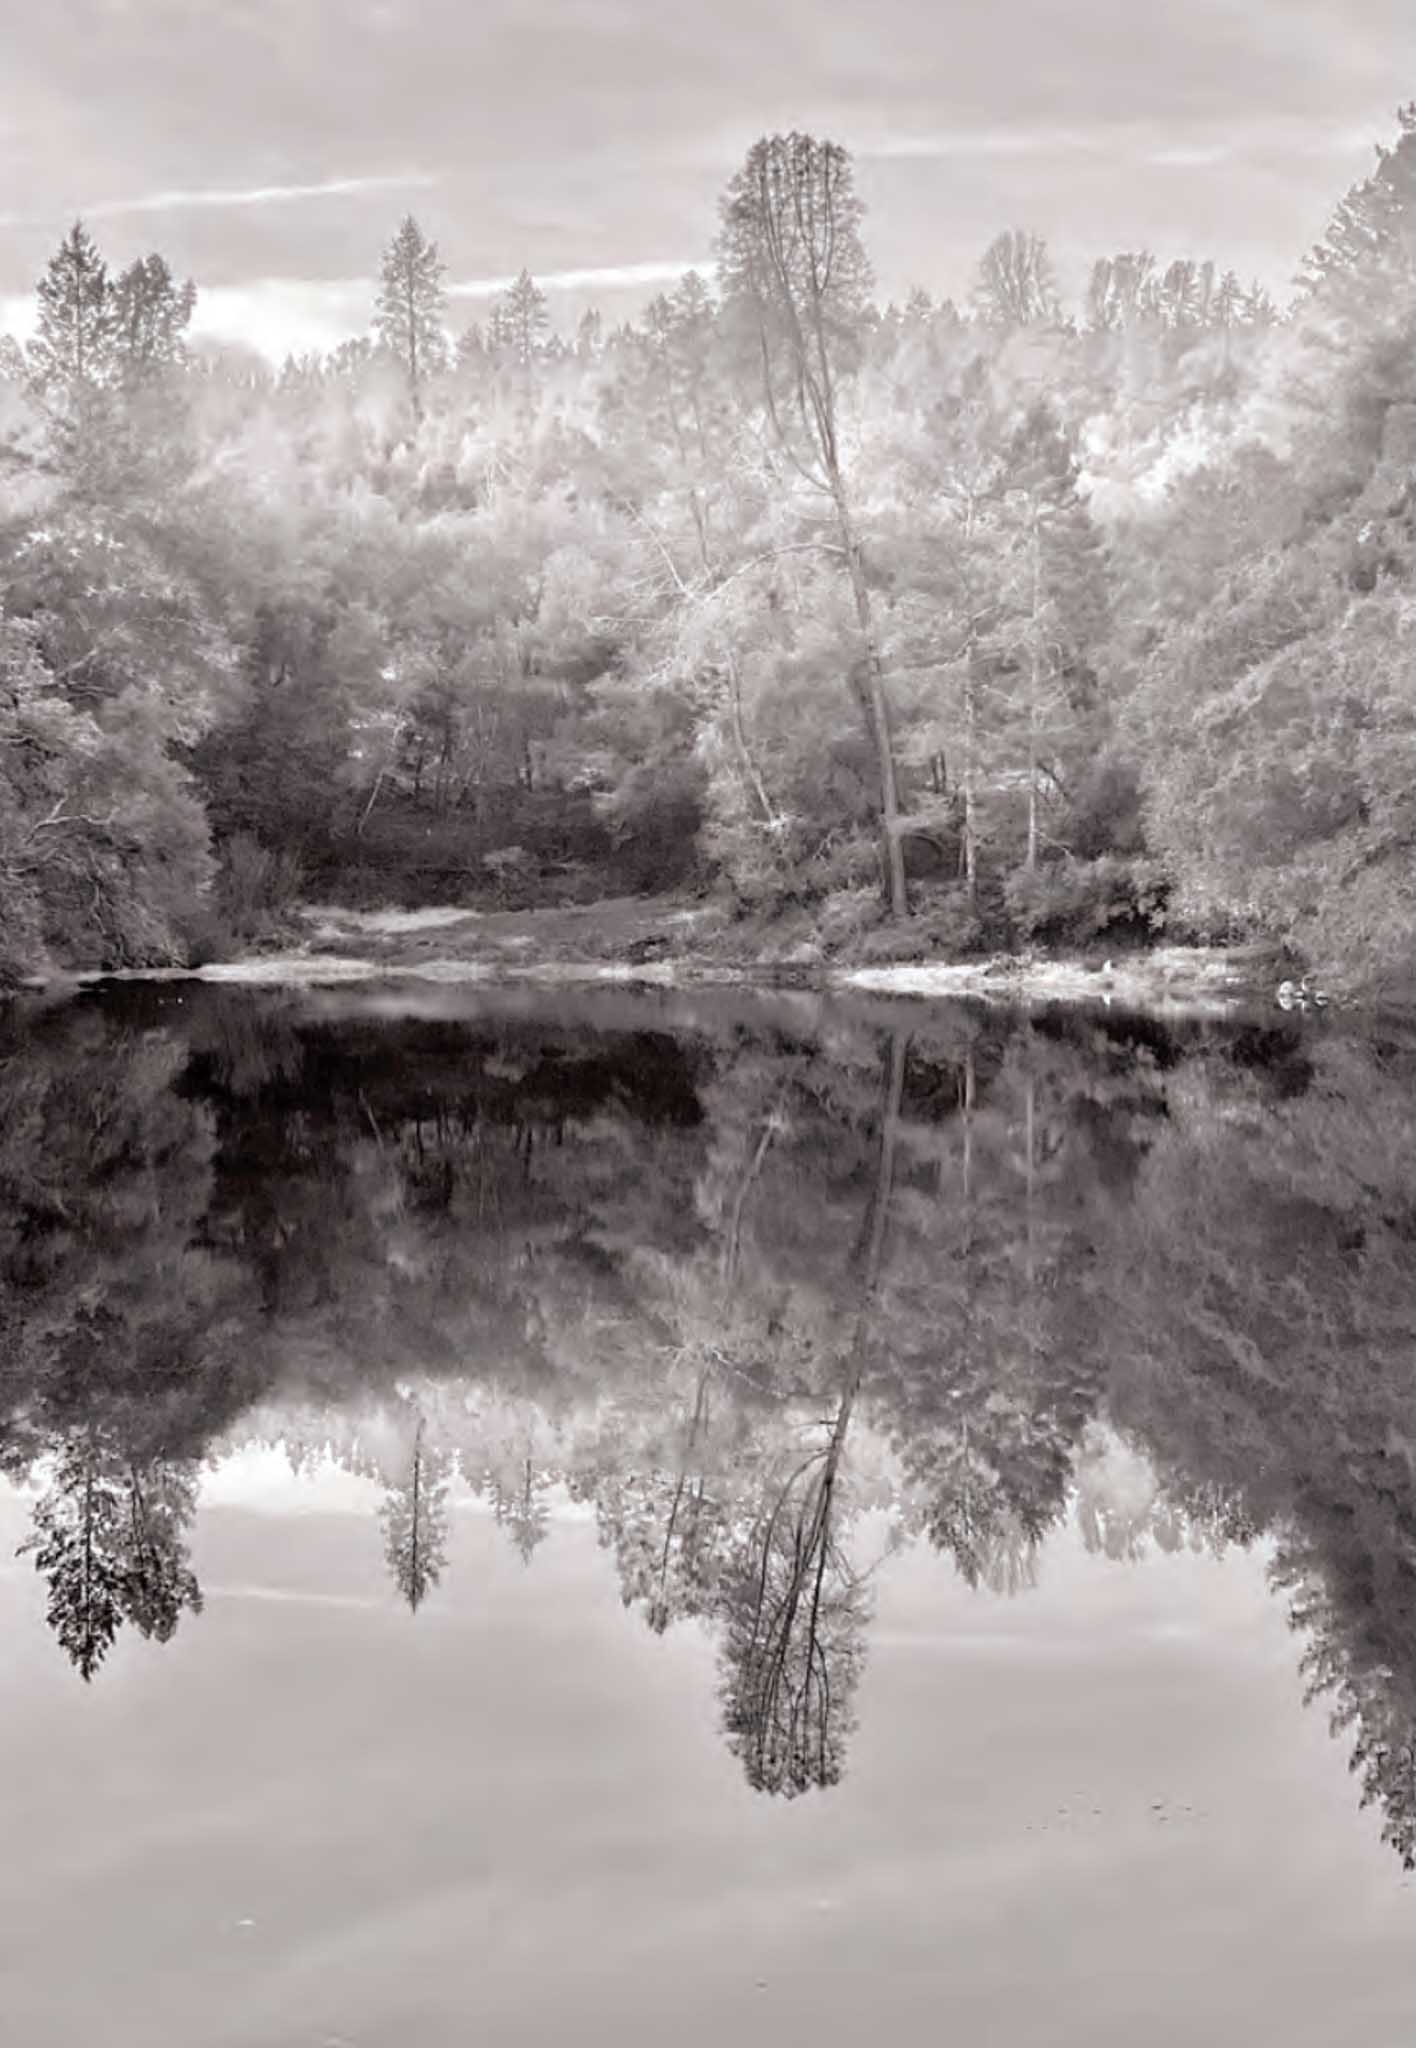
(646, 1520)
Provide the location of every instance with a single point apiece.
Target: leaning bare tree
(795, 272)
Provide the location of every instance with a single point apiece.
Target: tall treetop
(73, 347)
(1372, 234)
(411, 303)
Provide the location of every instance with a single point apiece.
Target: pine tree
(1371, 238)
(519, 322)
(590, 336)
(410, 306)
(150, 314)
(472, 345)
(414, 1516)
(1053, 593)
(72, 355)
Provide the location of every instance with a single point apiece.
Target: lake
(677, 1517)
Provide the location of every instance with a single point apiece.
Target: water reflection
(771, 1293)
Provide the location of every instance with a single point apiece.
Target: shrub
(945, 926)
(1107, 812)
(256, 889)
(1071, 902)
(846, 915)
(513, 875)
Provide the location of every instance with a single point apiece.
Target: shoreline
(660, 943)
(1169, 980)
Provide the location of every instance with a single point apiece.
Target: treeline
(1020, 621)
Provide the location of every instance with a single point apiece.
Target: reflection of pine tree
(78, 1545)
(521, 1508)
(414, 1515)
(159, 1583)
(108, 1538)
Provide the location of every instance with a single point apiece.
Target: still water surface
(658, 1519)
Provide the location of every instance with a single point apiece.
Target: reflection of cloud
(259, 1479)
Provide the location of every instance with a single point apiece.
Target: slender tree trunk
(1031, 1127)
(970, 1091)
(877, 710)
(968, 778)
(750, 769)
(1034, 686)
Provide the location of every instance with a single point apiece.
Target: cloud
(281, 316)
(975, 142)
(1120, 141)
(263, 195)
(608, 277)
(1190, 156)
(250, 195)
(19, 315)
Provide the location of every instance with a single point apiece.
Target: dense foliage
(1039, 623)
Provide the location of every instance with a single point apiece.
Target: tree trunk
(970, 841)
(1034, 685)
(739, 729)
(877, 711)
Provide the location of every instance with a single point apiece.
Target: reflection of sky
(1097, 1813)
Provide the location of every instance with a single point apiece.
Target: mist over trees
(935, 625)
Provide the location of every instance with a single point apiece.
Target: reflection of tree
(1122, 1508)
(414, 1516)
(1371, 1702)
(162, 1499)
(108, 1537)
(794, 1616)
(668, 1528)
(1263, 1293)
(984, 1402)
(622, 1248)
(520, 1506)
(794, 1610)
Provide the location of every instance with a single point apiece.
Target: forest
(937, 627)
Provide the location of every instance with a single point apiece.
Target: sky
(270, 147)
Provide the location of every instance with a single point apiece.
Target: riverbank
(669, 944)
